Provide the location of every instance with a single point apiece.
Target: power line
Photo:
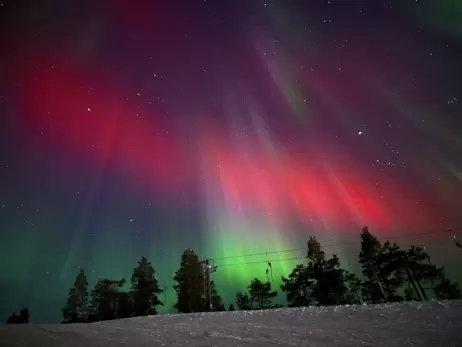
(259, 262)
(331, 245)
(304, 257)
(324, 246)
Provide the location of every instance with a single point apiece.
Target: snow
(429, 324)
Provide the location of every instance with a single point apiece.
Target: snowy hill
(411, 324)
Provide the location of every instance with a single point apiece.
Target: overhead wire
(270, 261)
(351, 243)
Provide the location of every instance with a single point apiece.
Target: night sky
(237, 128)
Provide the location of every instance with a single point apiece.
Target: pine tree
(393, 272)
(316, 261)
(77, 298)
(423, 275)
(243, 301)
(145, 289)
(190, 284)
(417, 272)
(231, 307)
(261, 293)
(299, 286)
(371, 268)
(329, 287)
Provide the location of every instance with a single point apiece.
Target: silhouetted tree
(418, 271)
(428, 276)
(329, 287)
(447, 290)
(145, 289)
(368, 259)
(353, 288)
(261, 293)
(393, 272)
(243, 301)
(77, 298)
(125, 305)
(105, 298)
(372, 266)
(409, 294)
(190, 284)
(387, 269)
(22, 318)
(298, 287)
(24, 315)
(217, 300)
(14, 319)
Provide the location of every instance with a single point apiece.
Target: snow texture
(429, 324)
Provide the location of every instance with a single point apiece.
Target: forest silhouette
(389, 274)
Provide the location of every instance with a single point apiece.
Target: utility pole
(208, 268)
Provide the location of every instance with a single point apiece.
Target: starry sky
(238, 128)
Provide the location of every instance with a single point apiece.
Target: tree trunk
(381, 289)
(422, 290)
(412, 281)
(376, 275)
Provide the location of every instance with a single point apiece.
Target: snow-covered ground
(411, 324)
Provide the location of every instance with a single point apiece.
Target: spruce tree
(231, 307)
(145, 289)
(261, 293)
(77, 298)
(190, 284)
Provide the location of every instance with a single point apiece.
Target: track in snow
(429, 324)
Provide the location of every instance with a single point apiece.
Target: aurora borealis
(235, 128)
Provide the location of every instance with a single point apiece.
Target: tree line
(389, 274)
